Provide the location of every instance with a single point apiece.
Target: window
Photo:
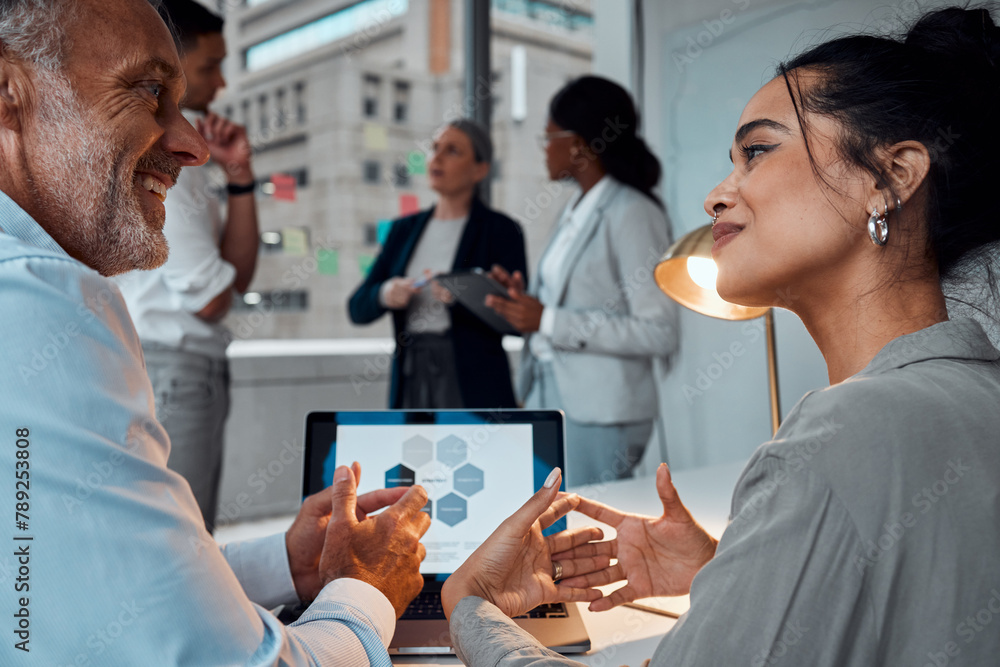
(371, 233)
(263, 116)
(300, 102)
(274, 300)
(245, 112)
(357, 18)
(370, 94)
(279, 109)
(548, 13)
(400, 176)
(401, 102)
(372, 172)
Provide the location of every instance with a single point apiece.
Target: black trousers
(429, 379)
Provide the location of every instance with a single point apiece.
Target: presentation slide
(476, 476)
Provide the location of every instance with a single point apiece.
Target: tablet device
(470, 289)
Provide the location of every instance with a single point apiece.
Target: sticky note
(328, 261)
(365, 264)
(382, 231)
(408, 204)
(295, 241)
(376, 137)
(416, 162)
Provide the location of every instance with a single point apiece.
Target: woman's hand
(399, 292)
(513, 568)
(656, 556)
(439, 291)
(522, 311)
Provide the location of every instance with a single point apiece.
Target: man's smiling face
(107, 139)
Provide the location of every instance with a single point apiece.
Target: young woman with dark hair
(594, 318)
(866, 533)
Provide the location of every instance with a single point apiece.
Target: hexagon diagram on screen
(399, 476)
(452, 509)
(468, 480)
(417, 451)
(452, 451)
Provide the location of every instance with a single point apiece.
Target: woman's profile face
(558, 159)
(453, 169)
(785, 237)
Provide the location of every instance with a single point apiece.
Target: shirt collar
(15, 222)
(585, 205)
(960, 338)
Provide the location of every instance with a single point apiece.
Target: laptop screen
(478, 467)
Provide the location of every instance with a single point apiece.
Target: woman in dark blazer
(445, 357)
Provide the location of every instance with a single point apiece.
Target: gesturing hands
(304, 540)
(522, 311)
(398, 293)
(228, 145)
(513, 567)
(657, 556)
(383, 550)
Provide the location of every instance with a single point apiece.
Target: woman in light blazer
(594, 318)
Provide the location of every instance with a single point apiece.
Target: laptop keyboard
(427, 606)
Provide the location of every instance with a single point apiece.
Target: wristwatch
(233, 189)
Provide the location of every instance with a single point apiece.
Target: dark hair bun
(603, 114)
(964, 42)
(956, 34)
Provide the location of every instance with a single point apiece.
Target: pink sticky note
(408, 204)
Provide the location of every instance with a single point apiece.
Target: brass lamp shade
(673, 278)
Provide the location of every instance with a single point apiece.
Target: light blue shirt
(104, 557)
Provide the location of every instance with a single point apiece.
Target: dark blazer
(489, 238)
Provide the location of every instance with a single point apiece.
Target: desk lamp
(687, 274)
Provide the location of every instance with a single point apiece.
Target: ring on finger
(557, 570)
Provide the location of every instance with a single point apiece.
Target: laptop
(478, 468)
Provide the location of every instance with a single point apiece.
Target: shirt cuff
(361, 596)
(382, 292)
(547, 326)
(483, 635)
(262, 568)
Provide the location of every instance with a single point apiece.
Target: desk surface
(627, 636)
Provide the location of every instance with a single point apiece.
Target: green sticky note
(365, 264)
(416, 162)
(328, 261)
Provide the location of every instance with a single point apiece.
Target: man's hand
(384, 550)
(522, 311)
(304, 539)
(397, 296)
(657, 556)
(229, 147)
(513, 567)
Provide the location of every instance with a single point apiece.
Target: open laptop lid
(478, 466)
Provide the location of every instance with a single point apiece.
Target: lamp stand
(772, 370)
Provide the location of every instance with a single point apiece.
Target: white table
(627, 636)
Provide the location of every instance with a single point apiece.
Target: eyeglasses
(545, 138)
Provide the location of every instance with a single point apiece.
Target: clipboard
(470, 289)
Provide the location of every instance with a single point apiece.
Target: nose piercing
(715, 217)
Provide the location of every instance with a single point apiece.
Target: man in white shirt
(106, 558)
(177, 308)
